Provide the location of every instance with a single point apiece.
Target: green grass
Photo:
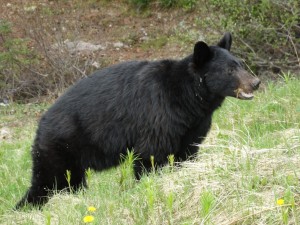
(250, 159)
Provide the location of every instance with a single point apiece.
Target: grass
(247, 171)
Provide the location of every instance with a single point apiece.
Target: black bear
(156, 108)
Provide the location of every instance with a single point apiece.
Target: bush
(185, 4)
(267, 30)
(15, 58)
(44, 63)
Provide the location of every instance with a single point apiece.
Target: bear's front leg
(154, 154)
(191, 140)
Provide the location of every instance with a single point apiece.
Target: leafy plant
(15, 56)
(127, 180)
(68, 178)
(266, 30)
(207, 201)
(168, 3)
(185, 4)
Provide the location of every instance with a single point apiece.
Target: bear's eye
(231, 71)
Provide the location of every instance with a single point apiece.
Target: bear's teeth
(246, 95)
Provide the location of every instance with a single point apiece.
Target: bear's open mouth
(241, 94)
(247, 96)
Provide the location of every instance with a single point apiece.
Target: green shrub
(168, 3)
(185, 4)
(266, 30)
(15, 57)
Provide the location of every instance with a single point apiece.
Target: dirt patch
(104, 24)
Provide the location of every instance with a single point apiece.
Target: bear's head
(221, 72)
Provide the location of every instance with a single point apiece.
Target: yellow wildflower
(88, 219)
(91, 209)
(280, 201)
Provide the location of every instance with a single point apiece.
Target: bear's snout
(247, 85)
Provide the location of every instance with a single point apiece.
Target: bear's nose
(256, 83)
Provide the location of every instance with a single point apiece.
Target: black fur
(156, 108)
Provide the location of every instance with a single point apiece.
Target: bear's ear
(226, 41)
(202, 53)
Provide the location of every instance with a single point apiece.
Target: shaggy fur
(156, 108)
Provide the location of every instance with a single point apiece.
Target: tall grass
(247, 171)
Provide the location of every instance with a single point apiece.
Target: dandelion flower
(280, 201)
(91, 209)
(88, 219)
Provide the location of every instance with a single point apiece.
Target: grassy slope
(250, 159)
